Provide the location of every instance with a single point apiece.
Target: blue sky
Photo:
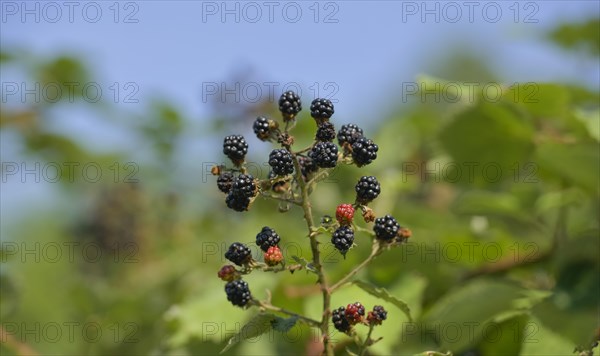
(356, 50)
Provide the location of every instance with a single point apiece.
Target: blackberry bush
(294, 177)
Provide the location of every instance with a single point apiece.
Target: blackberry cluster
(321, 109)
(262, 128)
(307, 166)
(386, 228)
(239, 253)
(348, 134)
(367, 189)
(225, 182)
(355, 313)
(338, 317)
(281, 162)
(267, 237)
(376, 316)
(364, 151)
(325, 132)
(343, 238)
(324, 154)
(289, 104)
(238, 293)
(235, 147)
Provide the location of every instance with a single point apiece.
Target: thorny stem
(376, 250)
(269, 306)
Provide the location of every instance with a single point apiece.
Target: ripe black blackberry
(325, 132)
(289, 104)
(281, 162)
(235, 147)
(367, 189)
(237, 203)
(244, 186)
(342, 239)
(307, 166)
(238, 293)
(225, 181)
(376, 316)
(321, 109)
(364, 151)
(338, 317)
(348, 134)
(266, 238)
(239, 253)
(262, 128)
(386, 228)
(324, 154)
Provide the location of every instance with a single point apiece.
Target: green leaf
(385, 295)
(504, 338)
(540, 100)
(284, 324)
(260, 324)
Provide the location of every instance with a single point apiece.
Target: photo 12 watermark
(453, 172)
(270, 12)
(470, 11)
(69, 172)
(253, 92)
(126, 12)
(469, 92)
(54, 92)
(69, 252)
(70, 331)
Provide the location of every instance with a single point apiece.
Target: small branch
(271, 307)
(375, 251)
(280, 268)
(368, 342)
(276, 197)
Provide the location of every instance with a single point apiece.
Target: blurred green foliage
(503, 259)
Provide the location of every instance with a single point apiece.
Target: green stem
(366, 343)
(376, 250)
(271, 307)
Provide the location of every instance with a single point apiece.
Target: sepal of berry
(273, 256)
(228, 273)
(278, 185)
(238, 293)
(355, 313)
(239, 254)
(367, 214)
(403, 235)
(344, 214)
(377, 315)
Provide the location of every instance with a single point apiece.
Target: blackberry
(235, 147)
(281, 162)
(262, 128)
(325, 132)
(307, 166)
(225, 181)
(344, 213)
(355, 313)
(376, 316)
(238, 253)
(267, 237)
(244, 186)
(321, 109)
(237, 203)
(343, 238)
(349, 133)
(386, 228)
(227, 273)
(238, 293)
(364, 151)
(273, 256)
(338, 317)
(289, 104)
(324, 154)
(367, 189)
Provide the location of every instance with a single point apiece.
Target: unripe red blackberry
(225, 181)
(343, 238)
(281, 162)
(348, 134)
(238, 293)
(321, 109)
(267, 237)
(325, 132)
(235, 147)
(344, 214)
(289, 105)
(338, 317)
(273, 256)
(386, 228)
(355, 313)
(367, 189)
(324, 154)
(239, 254)
(376, 316)
(364, 151)
(237, 203)
(244, 186)
(228, 273)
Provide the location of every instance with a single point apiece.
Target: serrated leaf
(258, 325)
(305, 264)
(383, 293)
(283, 324)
